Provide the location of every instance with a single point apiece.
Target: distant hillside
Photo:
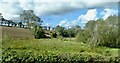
(16, 32)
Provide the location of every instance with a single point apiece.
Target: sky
(66, 13)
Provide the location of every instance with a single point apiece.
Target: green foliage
(30, 18)
(53, 34)
(39, 32)
(79, 37)
(55, 51)
(53, 57)
(70, 32)
(101, 33)
(59, 30)
(106, 33)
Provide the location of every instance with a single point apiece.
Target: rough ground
(15, 32)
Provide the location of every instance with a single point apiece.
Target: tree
(2, 19)
(102, 32)
(71, 32)
(59, 30)
(30, 18)
(33, 22)
(20, 24)
(109, 33)
(39, 32)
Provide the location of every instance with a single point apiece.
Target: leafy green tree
(33, 23)
(59, 30)
(100, 33)
(65, 33)
(30, 18)
(71, 32)
(109, 33)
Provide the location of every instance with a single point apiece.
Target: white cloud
(62, 0)
(27, 4)
(90, 15)
(48, 7)
(74, 22)
(56, 7)
(62, 23)
(10, 10)
(67, 24)
(108, 12)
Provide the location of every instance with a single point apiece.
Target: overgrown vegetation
(39, 32)
(53, 34)
(71, 32)
(55, 51)
(95, 33)
(73, 45)
(101, 33)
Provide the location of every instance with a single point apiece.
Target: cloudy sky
(61, 12)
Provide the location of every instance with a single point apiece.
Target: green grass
(67, 48)
(18, 48)
(45, 44)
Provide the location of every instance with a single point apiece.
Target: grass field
(30, 50)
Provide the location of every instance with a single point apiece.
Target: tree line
(95, 33)
(101, 33)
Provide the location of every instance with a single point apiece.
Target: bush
(53, 34)
(39, 33)
(80, 37)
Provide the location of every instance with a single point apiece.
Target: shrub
(39, 33)
(53, 34)
(80, 37)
